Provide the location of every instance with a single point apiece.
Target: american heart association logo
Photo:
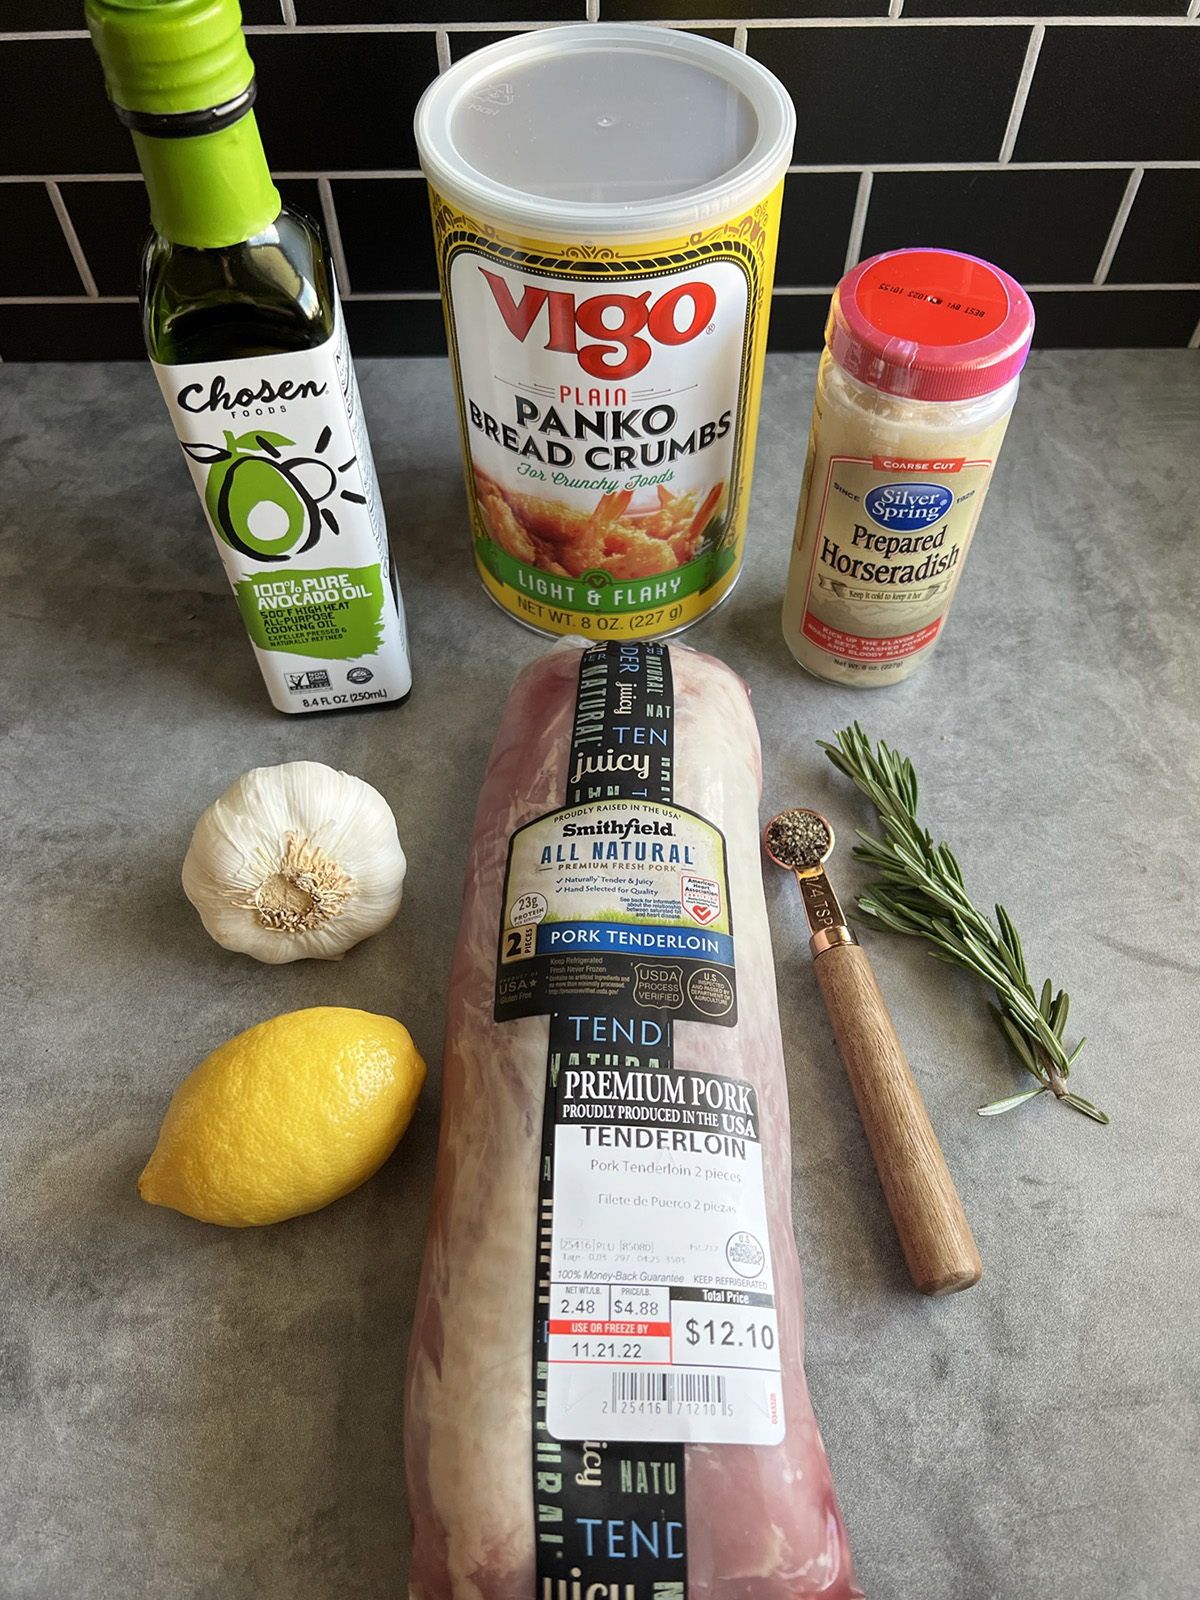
(700, 899)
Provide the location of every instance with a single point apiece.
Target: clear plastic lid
(579, 132)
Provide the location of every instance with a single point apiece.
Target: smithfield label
(608, 396)
(908, 506)
(281, 460)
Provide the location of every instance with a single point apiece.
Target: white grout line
(73, 245)
(740, 36)
(895, 8)
(763, 24)
(1118, 227)
(289, 12)
(858, 221)
(592, 11)
(334, 234)
(1023, 82)
(1194, 342)
(1193, 11)
(398, 295)
(442, 39)
(816, 170)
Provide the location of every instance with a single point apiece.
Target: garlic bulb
(295, 861)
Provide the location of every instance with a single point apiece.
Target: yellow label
(608, 400)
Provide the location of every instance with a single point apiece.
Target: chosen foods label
(280, 457)
(608, 397)
(654, 1309)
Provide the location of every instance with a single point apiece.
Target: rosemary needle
(921, 891)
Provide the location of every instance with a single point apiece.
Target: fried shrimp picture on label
(624, 537)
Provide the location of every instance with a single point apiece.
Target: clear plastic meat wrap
(606, 1396)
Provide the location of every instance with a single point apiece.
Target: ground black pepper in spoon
(798, 839)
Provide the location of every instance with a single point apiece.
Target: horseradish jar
(605, 208)
(914, 391)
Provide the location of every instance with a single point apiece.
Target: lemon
(285, 1117)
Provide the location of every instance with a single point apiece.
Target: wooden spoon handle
(924, 1203)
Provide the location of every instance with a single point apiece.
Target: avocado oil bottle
(244, 329)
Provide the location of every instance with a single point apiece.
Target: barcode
(682, 1387)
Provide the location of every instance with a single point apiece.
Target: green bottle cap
(166, 57)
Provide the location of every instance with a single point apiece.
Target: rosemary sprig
(921, 891)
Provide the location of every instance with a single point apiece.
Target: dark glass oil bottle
(241, 299)
(244, 328)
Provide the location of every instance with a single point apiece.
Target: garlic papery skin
(295, 861)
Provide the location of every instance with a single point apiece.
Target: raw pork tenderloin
(762, 1522)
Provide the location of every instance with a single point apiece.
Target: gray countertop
(192, 1412)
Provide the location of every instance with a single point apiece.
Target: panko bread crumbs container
(605, 209)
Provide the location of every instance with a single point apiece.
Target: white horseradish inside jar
(914, 391)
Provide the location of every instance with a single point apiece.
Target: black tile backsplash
(880, 94)
(332, 102)
(54, 16)
(814, 231)
(797, 322)
(385, 234)
(29, 16)
(112, 221)
(1161, 241)
(34, 257)
(726, 36)
(1060, 8)
(464, 44)
(72, 128)
(1114, 94)
(396, 327)
(104, 332)
(1120, 319)
(926, 105)
(691, 11)
(438, 11)
(1043, 227)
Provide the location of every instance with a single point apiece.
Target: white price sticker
(662, 1319)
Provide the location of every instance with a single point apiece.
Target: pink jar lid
(930, 325)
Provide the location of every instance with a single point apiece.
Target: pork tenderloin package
(606, 1396)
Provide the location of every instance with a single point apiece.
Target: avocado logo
(264, 504)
